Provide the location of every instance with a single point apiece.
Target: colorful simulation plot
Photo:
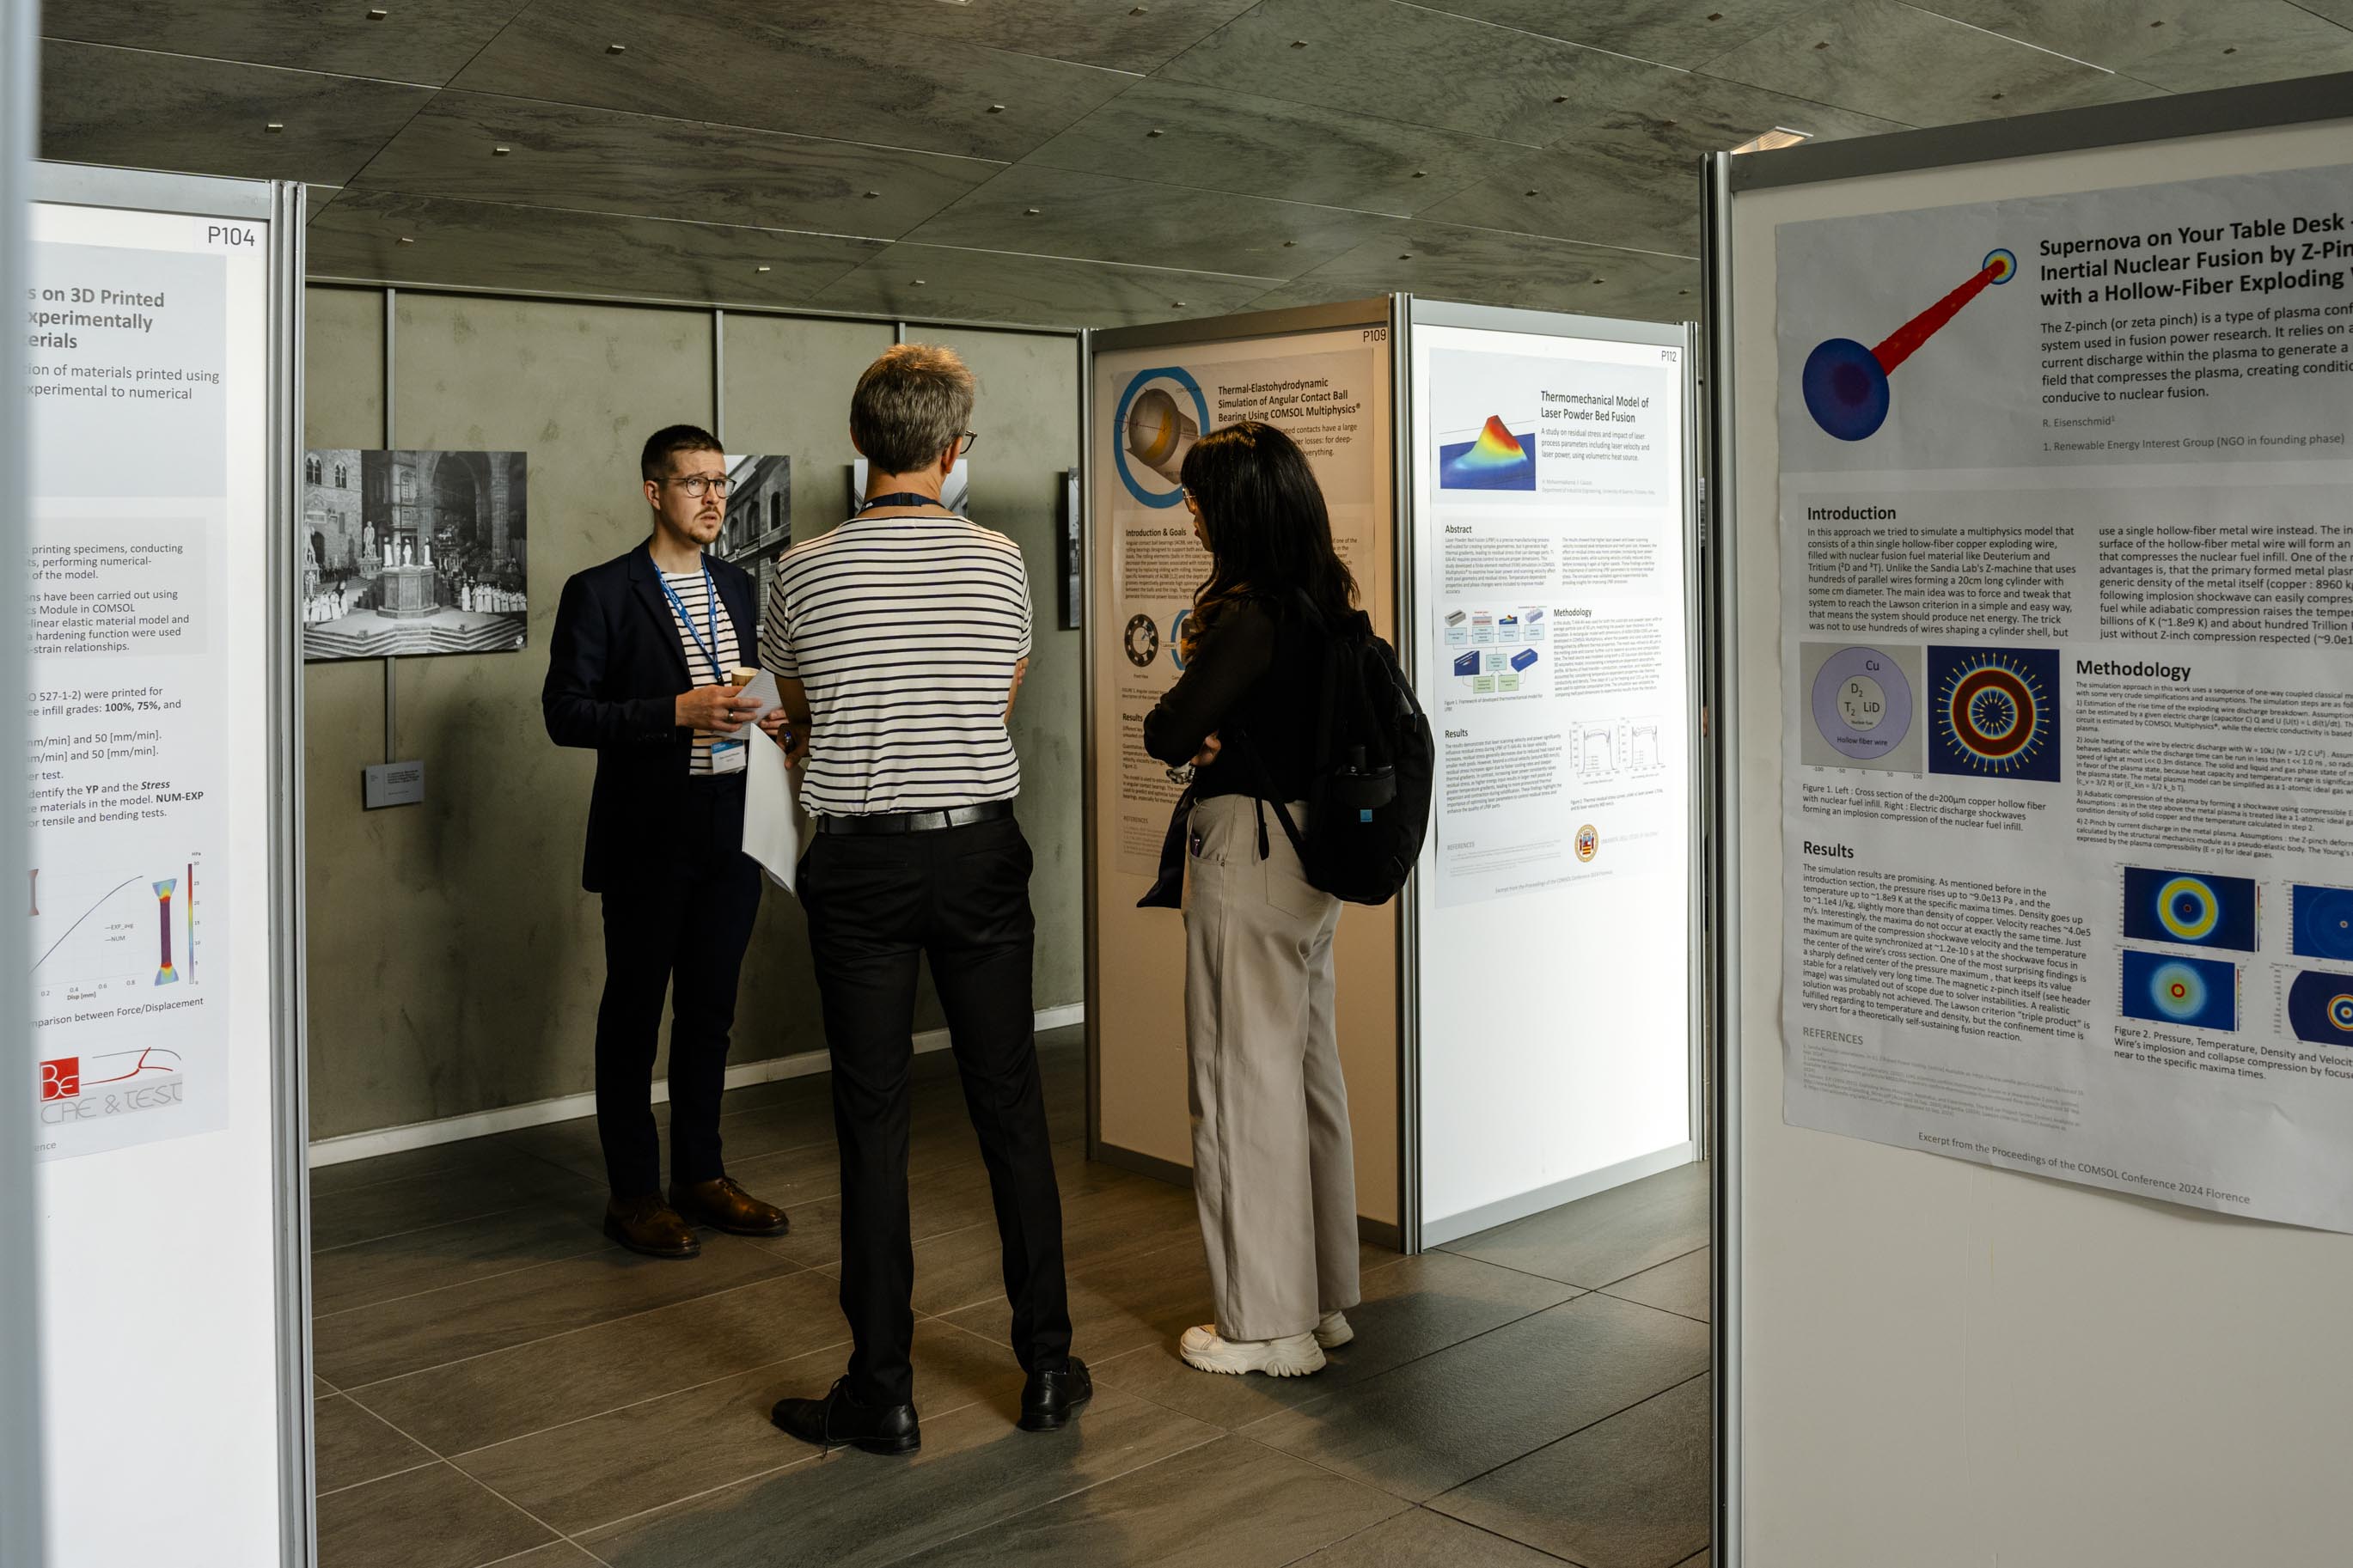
(2320, 1008)
(2178, 905)
(165, 974)
(2321, 922)
(1845, 383)
(2201, 992)
(1995, 712)
(1496, 459)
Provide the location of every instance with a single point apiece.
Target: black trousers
(959, 896)
(678, 919)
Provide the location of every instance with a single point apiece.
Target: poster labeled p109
(2067, 610)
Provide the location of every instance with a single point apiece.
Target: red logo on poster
(61, 1078)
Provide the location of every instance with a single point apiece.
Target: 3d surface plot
(2203, 992)
(2321, 922)
(1495, 459)
(2178, 905)
(2320, 1008)
(1845, 383)
(1996, 712)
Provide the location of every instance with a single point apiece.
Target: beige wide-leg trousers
(1274, 1170)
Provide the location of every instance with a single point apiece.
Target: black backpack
(1375, 758)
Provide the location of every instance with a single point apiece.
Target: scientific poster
(147, 407)
(1319, 388)
(1553, 501)
(1556, 931)
(2066, 528)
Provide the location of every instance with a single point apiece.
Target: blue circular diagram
(1145, 380)
(1845, 389)
(2179, 991)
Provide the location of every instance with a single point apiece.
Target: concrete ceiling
(1074, 161)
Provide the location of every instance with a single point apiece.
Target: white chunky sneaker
(1332, 1331)
(1296, 1356)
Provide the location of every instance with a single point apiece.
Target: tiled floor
(498, 1383)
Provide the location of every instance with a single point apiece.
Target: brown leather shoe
(650, 1225)
(723, 1206)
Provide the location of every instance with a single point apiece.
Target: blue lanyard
(711, 617)
(902, 497)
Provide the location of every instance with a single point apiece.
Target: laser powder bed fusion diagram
(1845, 385)
(1497, 458)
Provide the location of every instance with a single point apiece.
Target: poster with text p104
(2067, 610)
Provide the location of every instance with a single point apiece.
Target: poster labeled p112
(2067, 609)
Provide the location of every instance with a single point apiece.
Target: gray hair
(911, 406)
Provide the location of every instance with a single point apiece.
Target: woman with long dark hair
(1273, 1171)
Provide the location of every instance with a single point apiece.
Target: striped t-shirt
(693, 590)
(904, 631)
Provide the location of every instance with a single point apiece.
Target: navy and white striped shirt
(904, 631)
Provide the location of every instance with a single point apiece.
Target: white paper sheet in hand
(772, 828)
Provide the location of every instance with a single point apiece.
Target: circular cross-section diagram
(1861, 703)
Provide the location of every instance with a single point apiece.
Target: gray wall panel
(455, 962)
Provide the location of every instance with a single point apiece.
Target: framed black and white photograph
(759, 526)
(411, 553)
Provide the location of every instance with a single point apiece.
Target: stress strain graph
(98, 936)
(1845, 385)
(1496, 458)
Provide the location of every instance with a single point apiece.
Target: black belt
(917, 821)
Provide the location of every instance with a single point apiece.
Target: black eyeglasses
(696, 484)
(964, 444)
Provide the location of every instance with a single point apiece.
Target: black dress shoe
(1051, 1399)
(650, 1225)
(723, 1206)
(838, 1420)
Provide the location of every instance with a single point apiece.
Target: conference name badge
(728, 756)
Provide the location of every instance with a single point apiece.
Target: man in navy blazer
(640, 670)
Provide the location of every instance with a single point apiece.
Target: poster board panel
(1977, 1362)
(1558, 927)
(1326, 380)
(160, 914)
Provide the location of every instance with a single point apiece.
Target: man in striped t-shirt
(640, 670)
(899, 642)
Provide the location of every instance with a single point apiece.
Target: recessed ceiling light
(1176, 304)
(1778, 137)
(501, 152)
(1154, 131)
(379, 14)
(1298, 43)
(1030, 212)
(997, 109)
(871, 194)
(617, 49)
(919, 282)
(275, 125)
(405, 240)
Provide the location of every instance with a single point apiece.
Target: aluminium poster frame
(1725, 180)
(281, 206)
(1684, 338)
(1389, 312)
